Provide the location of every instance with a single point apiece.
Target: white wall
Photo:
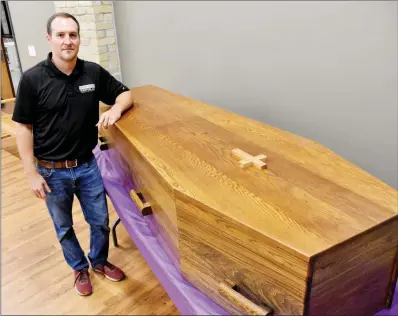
(323, 70)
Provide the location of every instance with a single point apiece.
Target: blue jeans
(85, 182)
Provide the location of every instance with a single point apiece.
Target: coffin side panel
(212, 251)
(153, 188)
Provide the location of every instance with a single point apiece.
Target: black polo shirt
(64, 109)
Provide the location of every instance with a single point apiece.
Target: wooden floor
(35, 279)
(7, 125)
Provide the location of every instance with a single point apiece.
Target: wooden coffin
(259, 219)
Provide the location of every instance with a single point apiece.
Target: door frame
(11, 35)
(4, 56)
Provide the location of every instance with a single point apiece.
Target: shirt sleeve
(25, 102)
(110, 87)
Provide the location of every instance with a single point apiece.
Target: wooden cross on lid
(248, 160)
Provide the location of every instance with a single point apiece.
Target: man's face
(64, 38)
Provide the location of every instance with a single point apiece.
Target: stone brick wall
(97, 32)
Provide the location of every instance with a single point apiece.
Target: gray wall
(322, 70)
(31, 30)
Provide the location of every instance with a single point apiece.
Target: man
(57, 118)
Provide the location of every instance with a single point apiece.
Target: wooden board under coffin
(308, 233)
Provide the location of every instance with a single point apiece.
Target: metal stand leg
(114, 232)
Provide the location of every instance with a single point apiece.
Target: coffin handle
(145, 208)
(228, 290)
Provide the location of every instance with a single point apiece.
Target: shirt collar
(55, 72)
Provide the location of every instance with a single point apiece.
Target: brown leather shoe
(82, 283)
(110, 271)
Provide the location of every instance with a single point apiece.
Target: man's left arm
(123, 102)
(115, 94)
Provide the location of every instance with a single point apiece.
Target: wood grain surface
(154, 189)
(308, 199)
(287, 233)
(215, 248)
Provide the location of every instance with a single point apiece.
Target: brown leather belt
(61, 164)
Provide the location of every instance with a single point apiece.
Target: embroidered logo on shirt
(87, 88)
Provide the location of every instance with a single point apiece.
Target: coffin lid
(308, 198)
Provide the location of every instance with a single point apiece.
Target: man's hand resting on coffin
(123, 102)
(38, 185)
(109, 118)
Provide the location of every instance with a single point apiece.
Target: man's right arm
(24, 116)
(24, 139)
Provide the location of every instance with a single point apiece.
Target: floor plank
(35, 278)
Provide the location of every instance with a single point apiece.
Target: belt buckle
(75, 165)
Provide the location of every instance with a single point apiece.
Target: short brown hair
(62, 15)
